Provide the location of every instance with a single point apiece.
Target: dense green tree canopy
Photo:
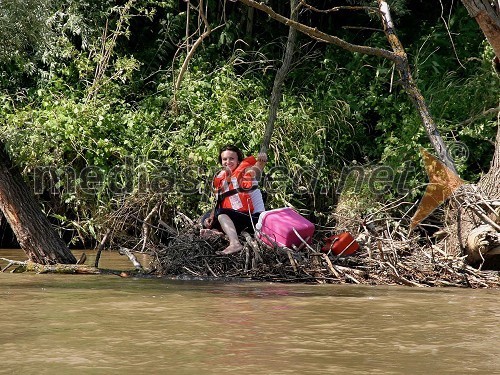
(87, 90)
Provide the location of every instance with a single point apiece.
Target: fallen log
(483, 241)
(29, 266)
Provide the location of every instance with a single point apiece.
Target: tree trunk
(478, 225)
(411, 88)
(250, 21)
(280, 78)
(474, 227)
(33, 230)
(490, 182)
(487, 15)
(190, 51)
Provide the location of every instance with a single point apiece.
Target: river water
(87, 324)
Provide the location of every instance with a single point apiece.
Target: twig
(338, 8)
(146, 224)
(487, 112)
(191, 271)
(352, 278)
(11, 263)
(168, 228)
(302, 240)
(255, 247)
(331, 267)
(247, 257)
(292, 261)
(210, 269)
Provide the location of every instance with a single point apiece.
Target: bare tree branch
(336, 9)
(485, 113)
(321, 36)
(398, 56)
(280, 78)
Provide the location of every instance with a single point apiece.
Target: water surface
(87, 324)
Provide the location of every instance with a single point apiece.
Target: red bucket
(340, 244)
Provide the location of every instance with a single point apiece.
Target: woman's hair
(231, 148)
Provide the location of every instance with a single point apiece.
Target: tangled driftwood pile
(387, 255)
(380, 260)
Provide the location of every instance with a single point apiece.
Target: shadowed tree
(487, 15)
(32, 228)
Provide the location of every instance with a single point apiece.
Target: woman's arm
(255, 170)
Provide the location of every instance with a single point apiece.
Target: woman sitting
(239, 201)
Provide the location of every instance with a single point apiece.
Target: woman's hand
(259, 166)
(255, 171)
(208, 222)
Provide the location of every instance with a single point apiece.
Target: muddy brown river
(86, 324)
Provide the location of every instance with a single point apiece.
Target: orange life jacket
(233, 191)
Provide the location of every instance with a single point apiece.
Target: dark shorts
(242, 221)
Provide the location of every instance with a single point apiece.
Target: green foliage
(110, 139)
(27, 16)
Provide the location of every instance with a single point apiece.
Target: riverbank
(379, 261)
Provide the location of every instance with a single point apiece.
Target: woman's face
(229, 159)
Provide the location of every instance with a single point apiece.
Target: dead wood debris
(28, 266)
(383, 259)
(387, 255)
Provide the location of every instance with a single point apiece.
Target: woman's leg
(228, 227)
